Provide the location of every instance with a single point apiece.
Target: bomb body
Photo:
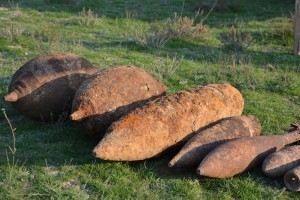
(206, 140)
(111, 93)
(44, 87)
(167, 121)
(242, 154)
(280, 162)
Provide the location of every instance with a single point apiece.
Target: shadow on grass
(272, 59)
(39, 142)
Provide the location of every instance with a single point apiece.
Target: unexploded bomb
(280, 162)
(242, 154)
(206, 140)
(111, 93)
(167, 121)
(44, 87)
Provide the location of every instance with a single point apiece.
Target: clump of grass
(185, 27)
(11, 31)
(13, 4)
(165, 68)
(87, 18)
(156, 36)
(219, 5)
(236, 39)
(159, 33)
(284, 33)
(47, 40)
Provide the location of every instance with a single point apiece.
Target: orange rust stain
(130, 119)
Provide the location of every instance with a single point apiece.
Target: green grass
(54, 161)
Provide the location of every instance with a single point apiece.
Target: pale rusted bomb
(242, 154)
(206, 140)
(44, 87)
(280, 162)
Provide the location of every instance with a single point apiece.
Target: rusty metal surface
(240, 155)
(204, 141)
(111, 93)
(44, 87)
(279, 163)
(162, 123)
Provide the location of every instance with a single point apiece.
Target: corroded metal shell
(206, 140)
(44, 87)
(242, 154)
(167, 121)
(279, 163)
(111, 93)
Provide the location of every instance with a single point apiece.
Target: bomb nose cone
(171, 163)
(77, 115)
(102, 152)
(199, 171)
(266, 168)
(269, 164)
(11, 97)
(94, 153)
(210, 168)
(204, 170)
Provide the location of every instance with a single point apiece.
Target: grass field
(54, 161)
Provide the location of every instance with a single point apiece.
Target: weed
(47, 40)
(13, 4)
(156, 36)
(12, 149)
(219, 5)
(185, 27)
(236, 39)
(12, 31)
(87, 18)
(159, 33)
(236, 60)
(167, 67)
(284, 32)
(129, 15)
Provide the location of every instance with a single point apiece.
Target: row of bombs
(127, 110)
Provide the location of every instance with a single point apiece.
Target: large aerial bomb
(111, 93)
(205, 141)
(44, 87)
(242, 154)
(167, 121)
(280, 162)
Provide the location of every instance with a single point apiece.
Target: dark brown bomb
(280, 162)
(240, 155)
(44, 87)
(204, 141)
(167, 121)
(111, 93)
(292, 179)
